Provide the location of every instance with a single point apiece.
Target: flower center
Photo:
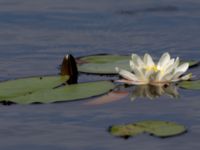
(154, 68)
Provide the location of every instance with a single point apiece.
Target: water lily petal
(165, 58)
(148, 73)
(139, 73)
(176, 76)
(132, 65)
(126, 74)
(167, 77)
(159, 76)
(183, 67)
(137, 60)
(171, 66)
(179, 71)
(176, 63)
(187, 76)
(148, 60)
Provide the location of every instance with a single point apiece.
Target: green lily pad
(105, 64)
(105, 58)
(192, 85)
(49, 89)
(160, 129)
(26, 86)
(104, 68)
(126, 130)
(193, 63)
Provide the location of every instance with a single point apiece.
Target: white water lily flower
(145, 71)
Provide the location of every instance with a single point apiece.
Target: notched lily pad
(49, 89)
(192, 85)
(105, 64)
(160, 129)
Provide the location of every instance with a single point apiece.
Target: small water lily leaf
(160, 129)
(105, 64)
(49, 89)
(193, 85)
(193, 63)
(126, 130)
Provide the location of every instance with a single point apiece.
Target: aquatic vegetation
(69, 68)
(192, 85)
(49, 89)
(145, 71)
(104, 64)
(155, 128)
(65, 87)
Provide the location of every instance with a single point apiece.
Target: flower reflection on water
(152, 91)
(139, 91)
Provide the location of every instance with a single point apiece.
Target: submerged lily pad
(160, 129)
(193, 85)
(105, 64)
(49, 89)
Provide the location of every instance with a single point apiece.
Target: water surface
(34, 37)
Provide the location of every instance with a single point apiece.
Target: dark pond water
(34, 37)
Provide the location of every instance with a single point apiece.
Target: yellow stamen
(154, 68)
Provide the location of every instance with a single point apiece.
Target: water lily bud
(69, 68)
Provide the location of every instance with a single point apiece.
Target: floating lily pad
(105, 64)
(49, 89)
(26, 86)
(104, 68)
(105, 58)
(193, 85)
(160, 129)
(193, 63)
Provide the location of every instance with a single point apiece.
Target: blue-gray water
(34, 37)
